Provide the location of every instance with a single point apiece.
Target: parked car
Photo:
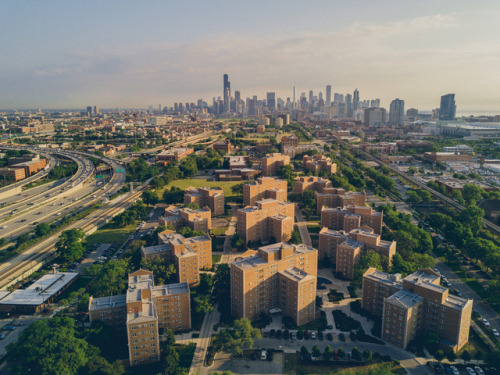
(341, 337)
(479, 370)
(320, 336)
(495, 332)
(454, 370)
(486, 323)
(2, 336)
(9, 328)
(313, 335)
(293, 336)
(329, 337)
(437, 368)
(272, 334)
(470, 371)
(263, 355)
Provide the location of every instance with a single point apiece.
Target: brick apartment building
(200, 220)
(414, 305)
(447, 156)
(264, 188)
(336, 197)
(30, 165)
(149, 310)
(15, 174)
(189, 255)
(224, 145)
(352, 217)
(345, 248)
(268, 219)
(319, 163)
(271, 163)
(301, 184)
(212, 198)
(277, 278)
(174, 154)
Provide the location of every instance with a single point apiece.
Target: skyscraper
(348, 105)
(328, 95)
(397, 112)
(448, 107)
(271, 101)
(227, 93)
(355, 100)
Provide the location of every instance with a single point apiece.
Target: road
(302, 227)
(197, 364)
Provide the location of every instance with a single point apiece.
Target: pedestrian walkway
(302, 227)
(197, 364)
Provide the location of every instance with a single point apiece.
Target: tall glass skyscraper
(397, 112)
(448, 107)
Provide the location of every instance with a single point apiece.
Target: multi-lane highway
(45, 205)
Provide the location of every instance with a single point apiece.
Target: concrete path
(302, 227)
(197, 365)
(229, 234)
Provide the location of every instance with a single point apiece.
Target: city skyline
(133, 56)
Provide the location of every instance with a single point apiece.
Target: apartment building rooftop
(423, 276)
(404, 299)
(104, 303)
(296, 274)
(455, 302)
(249, 262)
(352, 243)
(147, 313)
(385, 278)
(276, 247)
(156, 249)
(170, 289)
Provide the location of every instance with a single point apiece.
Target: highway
(46, 204)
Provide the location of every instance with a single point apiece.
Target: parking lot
(224, 362)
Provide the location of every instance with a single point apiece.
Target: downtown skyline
(133, 56)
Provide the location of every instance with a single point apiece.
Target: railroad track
(34, 257)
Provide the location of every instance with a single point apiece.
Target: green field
(109, 234)
(201, 182)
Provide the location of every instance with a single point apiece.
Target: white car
(495, 332)
(263, 355)
(470, 371)
(486, 323)
(454, 370)
(479, 370)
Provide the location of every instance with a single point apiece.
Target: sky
(132, 54)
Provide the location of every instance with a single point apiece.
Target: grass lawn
(216, 258)
(318, 324)
(219, 231)
(293, 366)
(201, 182)
(109, 234)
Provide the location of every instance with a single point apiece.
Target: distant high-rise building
(448, 107)
(96, 110)
(374, 116)
(355, 100)
(338, 98)
(397, 112)
(226, 93)
(348, 105)
(271, 101)
(237, 96)
(328, 95)
(252, 107)
(412, 114)
(89, 110)
(311, 94)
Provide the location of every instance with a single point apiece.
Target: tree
(295, 239)
(328, 354)
(149, 197)
(466, 356)
(110, 278)
(341, 352)
(471, 193)
(174, 195)
(356, 354)
(367, 355)
(304, 353)
(472, 216)
(192, 205)
(237, 189)
(170, 362)
(451, 356)
(316, 352)
(164, 272)
(51, 346)
(69, 247)
(241, 337)
(439, 355)
(238, 242)
(203, 305)
(42, 229)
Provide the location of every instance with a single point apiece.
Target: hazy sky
(118, 53)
